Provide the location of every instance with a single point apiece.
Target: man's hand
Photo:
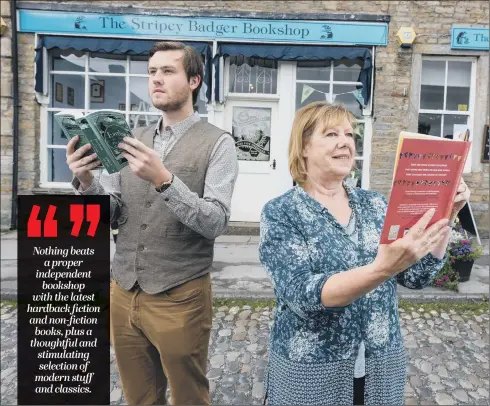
(144, 161)
(81, 166)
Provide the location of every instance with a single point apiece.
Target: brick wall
(393, 111)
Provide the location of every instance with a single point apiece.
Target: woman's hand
(462, 196)
(417, 243)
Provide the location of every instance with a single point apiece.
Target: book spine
(99, 149)
(458, 180)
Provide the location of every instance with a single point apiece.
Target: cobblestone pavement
(447, 353)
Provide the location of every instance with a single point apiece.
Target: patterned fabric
(301, 246)
(220, 178)
(360, 366)
(332, 383)
(286, 382)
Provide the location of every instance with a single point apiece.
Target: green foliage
(459, 307)
(460, 248)
(447, 278)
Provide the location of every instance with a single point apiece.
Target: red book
(426, 175)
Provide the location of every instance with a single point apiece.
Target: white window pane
(108, 63)
(138, 65)
(433, 72)
(432, 97)
(142, 120)
(313, 70)
(430, 124)
(68, 91)
(201, 99)
(139, 95)
(354, 179)
(56, 136)
(432, 85)
(309, 93)
(458, 85)
(68, 61)
(449, 121)
(347, 70)
(344, 94)
(359, 138)
(58, 170)
(250, 75)
(107, 92)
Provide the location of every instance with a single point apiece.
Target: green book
(103, 129)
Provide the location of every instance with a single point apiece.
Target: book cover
(70, 127)
(103, 129)
(426, 175)
(112, 127)
(98, 145)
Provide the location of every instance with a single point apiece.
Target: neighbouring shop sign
(469, 38)
(199, 28)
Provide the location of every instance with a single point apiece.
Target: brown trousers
(163, 338)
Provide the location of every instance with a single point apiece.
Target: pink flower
(465, 242)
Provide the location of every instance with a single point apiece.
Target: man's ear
(194, 81)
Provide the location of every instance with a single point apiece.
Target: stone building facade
(398, 83)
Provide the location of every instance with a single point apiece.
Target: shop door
(255, 127)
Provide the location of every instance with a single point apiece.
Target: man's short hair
(193, 63)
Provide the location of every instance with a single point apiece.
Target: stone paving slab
(448, 361)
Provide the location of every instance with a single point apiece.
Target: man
(174, 199)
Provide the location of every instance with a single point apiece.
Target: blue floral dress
(313, 348)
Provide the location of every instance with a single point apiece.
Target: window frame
(366, 119)
(471, 106)
(46, 108)
(225, 85)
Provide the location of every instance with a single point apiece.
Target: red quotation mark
(34, 225)
(77, 217)
(50, 224)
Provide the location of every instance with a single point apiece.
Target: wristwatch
(162, 187)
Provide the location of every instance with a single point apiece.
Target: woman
(335, 285)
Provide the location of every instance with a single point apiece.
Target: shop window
(251, 75)
(446, 91)
(444, 96)
(336, 82)
(88, 82)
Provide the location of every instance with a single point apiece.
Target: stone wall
(6, 105)
(393, 111)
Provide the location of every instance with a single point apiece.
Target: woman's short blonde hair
(305, 122)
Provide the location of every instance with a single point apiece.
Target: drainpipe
(15, 129)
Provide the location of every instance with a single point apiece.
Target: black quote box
(66, 388)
